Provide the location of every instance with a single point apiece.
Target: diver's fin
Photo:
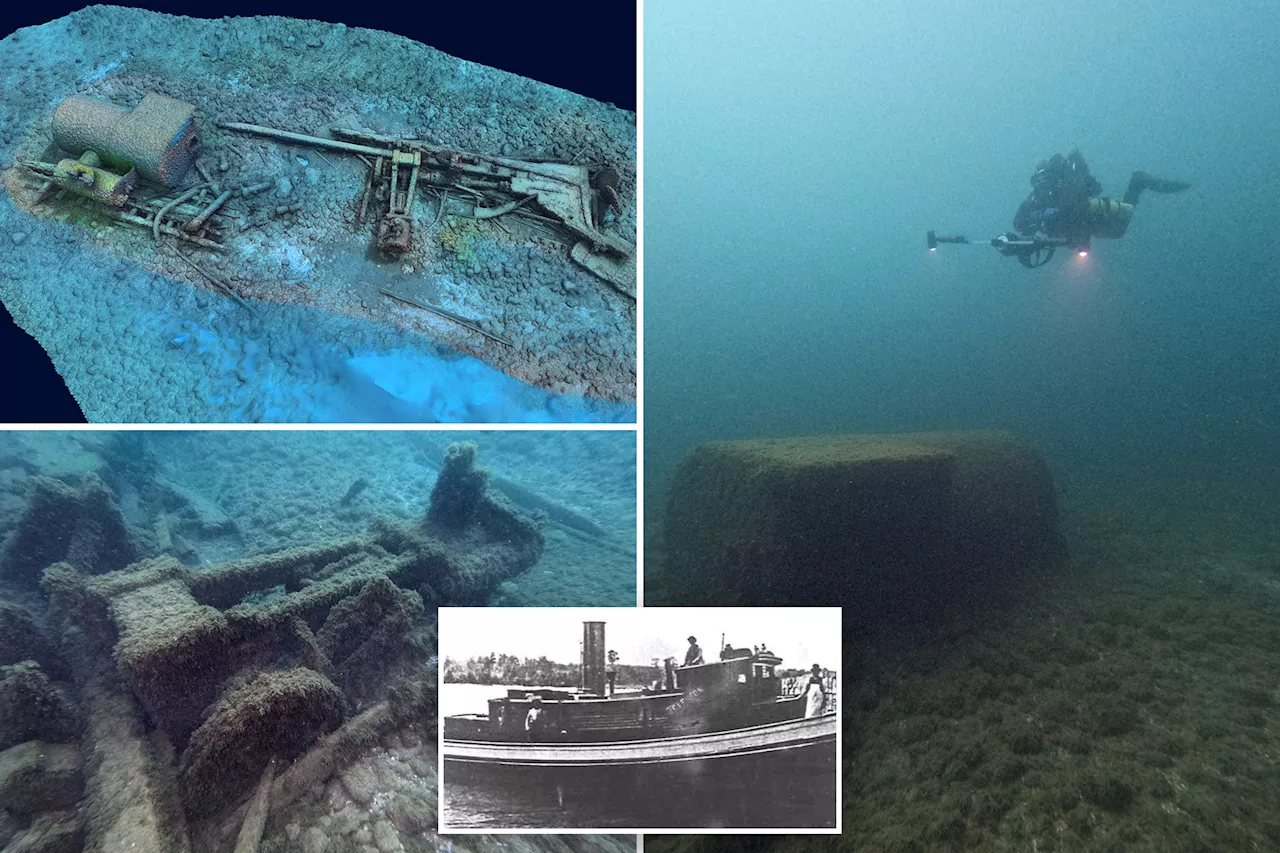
(1160, 185)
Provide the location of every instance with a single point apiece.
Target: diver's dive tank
(1108, 217)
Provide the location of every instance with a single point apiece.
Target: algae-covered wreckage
(877, 523)
(449, 210)
(282, 702)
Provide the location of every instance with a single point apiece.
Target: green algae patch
(1119, 705)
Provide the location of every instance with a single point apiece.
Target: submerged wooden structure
(880, 524)
(190, 687)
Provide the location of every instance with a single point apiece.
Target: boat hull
(776, 737)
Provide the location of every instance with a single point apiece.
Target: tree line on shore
(533, 672)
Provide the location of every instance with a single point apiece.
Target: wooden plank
(773, 737)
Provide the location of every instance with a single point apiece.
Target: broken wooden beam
(619, 272)
(145, 808)
(255, 820)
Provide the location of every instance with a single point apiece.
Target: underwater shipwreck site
(195, 656)
(1092, 676)
(251, 220)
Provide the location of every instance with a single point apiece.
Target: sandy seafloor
(1128, 702)
(242, 492)
(140, 337)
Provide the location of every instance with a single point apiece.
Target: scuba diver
(1066, 202)
(1065, 210)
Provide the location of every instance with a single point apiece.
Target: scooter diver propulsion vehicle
(1031, 252)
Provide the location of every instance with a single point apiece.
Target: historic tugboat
(722, 709)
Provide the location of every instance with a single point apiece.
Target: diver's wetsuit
(1059, 201)
(1061, 192)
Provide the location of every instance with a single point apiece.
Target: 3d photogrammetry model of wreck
(251, 219)
(157, 141)
(881, 524)
(173, 708)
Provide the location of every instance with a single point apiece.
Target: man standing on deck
(533, 722)
(611, 671)
(693, 657)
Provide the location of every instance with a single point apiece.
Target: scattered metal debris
(448, 315)
(160, 214)
(565, 192)
(444, 201)
(395, 228)
(203, 216)
(204, 176)
(612, 269)
(122, 199)
(222, 286)
(164, 229)
(495, 212)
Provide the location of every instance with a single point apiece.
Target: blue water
(796, 153)
(795, 156)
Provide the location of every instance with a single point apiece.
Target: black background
(589, 48)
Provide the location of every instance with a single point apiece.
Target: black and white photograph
(719, 720)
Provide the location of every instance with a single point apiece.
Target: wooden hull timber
(754, 740)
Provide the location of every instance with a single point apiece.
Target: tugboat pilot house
(740, 691)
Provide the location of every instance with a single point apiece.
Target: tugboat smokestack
(593, 650)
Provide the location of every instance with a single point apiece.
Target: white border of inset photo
(621, 674)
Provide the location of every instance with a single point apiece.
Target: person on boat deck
(534, 720)
(611, 671)
(815, 695)
(693, 657)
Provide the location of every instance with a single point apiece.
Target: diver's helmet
(1048, 171)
